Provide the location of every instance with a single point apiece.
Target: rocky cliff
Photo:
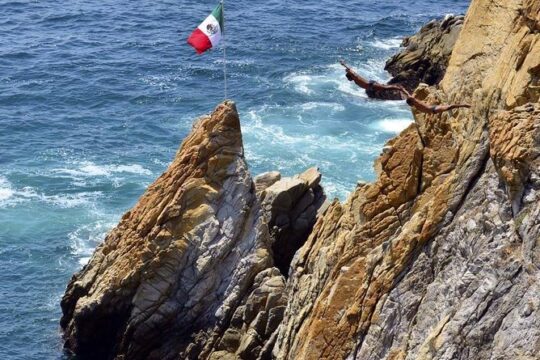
(437, 259)
(188, 272)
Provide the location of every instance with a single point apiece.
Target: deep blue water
(95, 97)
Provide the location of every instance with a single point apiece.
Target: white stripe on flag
(210, 27)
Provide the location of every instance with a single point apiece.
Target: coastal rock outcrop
(436, 259)
(179, 260)
(188, 272)
(424, 58)
(515, 149)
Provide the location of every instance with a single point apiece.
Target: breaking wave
(10, 197)
(87, 168)
(392, 125)
(85, 238)
(6, 192)
(387, 44)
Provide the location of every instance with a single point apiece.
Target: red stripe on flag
(199, 41)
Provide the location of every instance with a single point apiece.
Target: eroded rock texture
(178, 260)
(437, 259)
(292, 205)
(188, 271)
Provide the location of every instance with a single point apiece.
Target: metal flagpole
(224, 48)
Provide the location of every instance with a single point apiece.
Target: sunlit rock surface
(437, 259)
(192, 259)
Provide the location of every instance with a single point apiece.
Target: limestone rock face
(179, 261)
(469, 293)
(255, 321)
(425, 57)
(515, 148)
(188, 272)
(265, 180)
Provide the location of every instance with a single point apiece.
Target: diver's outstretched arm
(442, 108)
(360, 81)
(421, 106)
(370, 85)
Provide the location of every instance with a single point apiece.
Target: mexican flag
(209, 33)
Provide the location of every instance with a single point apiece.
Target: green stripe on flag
(218, 14)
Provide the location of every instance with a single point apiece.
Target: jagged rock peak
(179, 260)
(188, 272)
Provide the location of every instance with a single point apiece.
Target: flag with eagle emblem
(209, 33)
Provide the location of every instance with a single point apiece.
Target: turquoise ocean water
(95, 97)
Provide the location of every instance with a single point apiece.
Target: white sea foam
(310, 83)
(374, 70)
(313, 133)
(300, 82)
(387, 44)
(317, 81)
(10, 196)
(51, 304)
(258, 126)
(160, 162)
(392, 125)
(6, 190)
(26, 193)
(132, 169)
(316, 105)
(84, 260)
(68, 201)
(89, 169)
(351, 89)
(337, 189)
(272, 133)
(85, 239)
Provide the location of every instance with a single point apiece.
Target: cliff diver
(431, 109)
(368, 85)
